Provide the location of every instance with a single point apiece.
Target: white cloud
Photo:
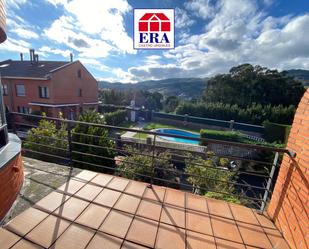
(16, 3)
(238, 33)
(24, 33)
(182, 19)
(201, 8)
(47, 50)
(13, 45)
(94, 28)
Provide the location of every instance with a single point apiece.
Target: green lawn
(140, 135)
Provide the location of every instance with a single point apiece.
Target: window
(23, 109)
(80, 93)
(43, 92)
(5, 89)
(20, 90)
(79, 73)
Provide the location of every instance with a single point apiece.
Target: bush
(276, 132)
(115, 118)
(46, 138)
(204, 176)
(93, 140)
(211, 181)
(135, 165)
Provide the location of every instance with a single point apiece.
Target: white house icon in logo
(153, 28)
(154, 22)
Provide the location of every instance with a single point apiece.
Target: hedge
(255, 114)
(115, 118)
(232, 136)
(276, 132)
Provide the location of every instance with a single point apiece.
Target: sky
(211, 36)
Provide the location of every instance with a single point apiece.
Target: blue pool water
(180, 133)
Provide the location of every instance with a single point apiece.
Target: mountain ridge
(181, 87)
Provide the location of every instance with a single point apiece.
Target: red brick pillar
(11, 180)
(289, 205)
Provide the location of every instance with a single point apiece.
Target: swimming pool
(180, 133)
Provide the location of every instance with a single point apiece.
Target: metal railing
(246, 175)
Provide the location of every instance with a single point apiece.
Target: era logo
(154, 29)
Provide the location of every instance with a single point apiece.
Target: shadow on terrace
(128, 188)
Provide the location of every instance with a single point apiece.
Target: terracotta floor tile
(51, 201)
(225, 229)
(253, 235)
(118, 183)
(24, 244)
(244, 214)
(85, 175)
(7, 239)
(127, 203)
(200, 241)
(48, 231)
(170, 237)
(102, 179)
(71, 209)
(197, 203)
(72, 186)
(129, 245)
(88, 192)
(199, 222)
(93, 216)
(107, 197)
(175, 197)
(145, 227)
(226, 244)
(117, 223)
(136, 188)
(276, 238)
(109, 242)
(264, 220)
(149, 209)
(155, 193)
(219, 208)
(25, 221)
(173, 215)
(75, 237)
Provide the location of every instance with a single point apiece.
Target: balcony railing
(239, 172)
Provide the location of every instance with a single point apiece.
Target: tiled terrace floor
(97, 211)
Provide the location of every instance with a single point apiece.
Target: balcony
(102, 208)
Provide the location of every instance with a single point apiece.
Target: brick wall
(11, 180)
(289, 206)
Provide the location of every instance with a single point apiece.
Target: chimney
(36, 58)
(21, 57)
(31, 55)
(71, 57)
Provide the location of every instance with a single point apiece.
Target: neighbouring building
(33, 86)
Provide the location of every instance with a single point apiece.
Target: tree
(247, 84)
(171, 103)
(91, 144)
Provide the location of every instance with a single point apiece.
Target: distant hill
(181, 87)
(301, 75)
